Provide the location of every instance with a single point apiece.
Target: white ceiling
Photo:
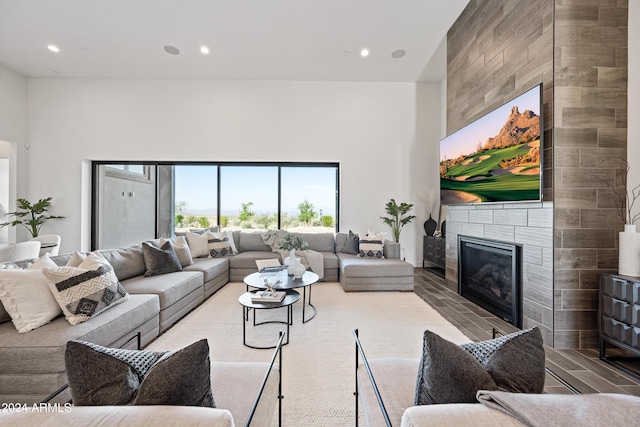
(249, 39)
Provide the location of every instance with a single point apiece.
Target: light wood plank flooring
(580, 369)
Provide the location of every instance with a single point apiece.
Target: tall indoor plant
(398, 217)
(31, 216)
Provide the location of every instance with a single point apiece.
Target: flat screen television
(497, 157)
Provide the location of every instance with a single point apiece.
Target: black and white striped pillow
(371, 245)
(87, 290)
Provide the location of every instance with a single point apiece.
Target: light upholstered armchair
(20, 251)
(49, 243)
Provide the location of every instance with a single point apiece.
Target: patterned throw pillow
(219, 244)
(371, 245)
(450, 373)
(87, 290)
(160, 260)
(106, 376)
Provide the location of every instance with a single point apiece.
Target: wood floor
(579, 369)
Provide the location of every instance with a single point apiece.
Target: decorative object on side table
(31, 216)
(293, 243)
(397, 218)
(430, 226)
(629, 239)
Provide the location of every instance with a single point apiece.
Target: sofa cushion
(247, 259)
(161, 260)
(210, 267)
(319, 242)
(106, 376)
(169, 287)
(371, 245)
(126, 262)
(252, 242)
(27, 299)
(87, 290)
(449, 374)
(355, 266)
(41, 351)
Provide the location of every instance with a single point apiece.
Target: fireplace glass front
(489, 274)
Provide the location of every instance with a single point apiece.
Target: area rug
(318, 374)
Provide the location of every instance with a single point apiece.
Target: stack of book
(268, 296)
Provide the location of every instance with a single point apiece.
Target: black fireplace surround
(490, 275)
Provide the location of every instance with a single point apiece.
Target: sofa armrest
(391, 250)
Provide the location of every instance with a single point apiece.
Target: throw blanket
(545, 410)
(308, 258)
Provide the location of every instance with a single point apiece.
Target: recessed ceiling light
(398, 53)
(53, 48)
(204, 50)
(364, 53)
(172, 50)
(52, 71)
(345, 53)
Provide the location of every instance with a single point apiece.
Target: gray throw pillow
(513, 363)
(448, 373)
(352, 245)
(101, 376)
(161, 260)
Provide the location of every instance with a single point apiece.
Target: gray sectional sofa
(32, 363)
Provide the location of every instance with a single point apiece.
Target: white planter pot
(629, 255)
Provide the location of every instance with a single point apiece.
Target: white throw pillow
(43, 262)
(76, 259)
(198, 244)
(25, 295)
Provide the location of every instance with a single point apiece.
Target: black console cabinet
(434, 253)
(619, 318)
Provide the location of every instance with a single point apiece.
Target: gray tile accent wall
(496, 50)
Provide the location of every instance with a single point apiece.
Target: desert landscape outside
(497, 157)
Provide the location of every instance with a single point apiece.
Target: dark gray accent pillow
(161, 260)
(448, 373)
(101, 376)
(513, 363)
(352, 245)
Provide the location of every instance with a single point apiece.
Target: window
(182, 196)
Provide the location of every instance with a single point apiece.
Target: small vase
(298, 270)
(629, 251)
(290, 261)
(430, 226)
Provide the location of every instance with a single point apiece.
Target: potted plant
(398, 217)
(32, 216)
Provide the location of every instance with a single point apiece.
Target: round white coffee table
(256, 280)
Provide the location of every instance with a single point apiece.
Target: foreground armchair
(247, 394)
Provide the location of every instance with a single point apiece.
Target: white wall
(370, 128)
(424, 160)
(633, 91)
(13, 136)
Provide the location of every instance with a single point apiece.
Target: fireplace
(490, 275)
